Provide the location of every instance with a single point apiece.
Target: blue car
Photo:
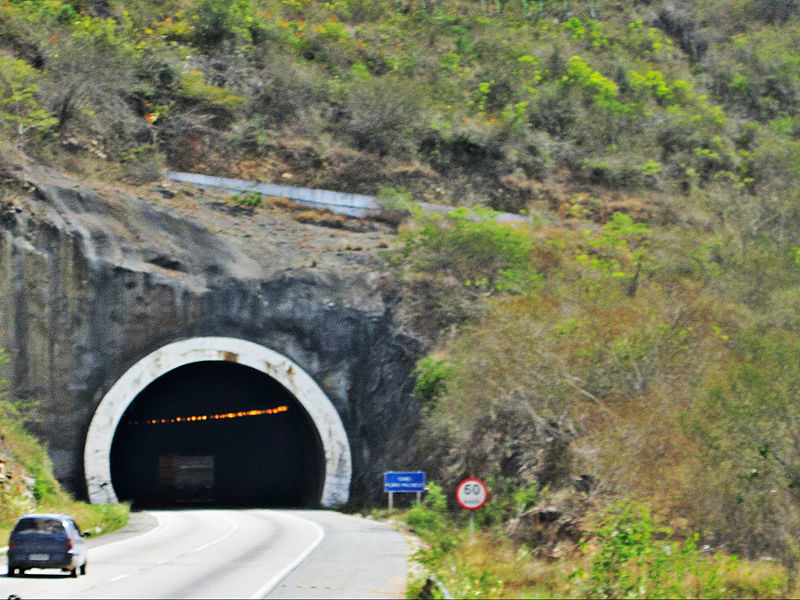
(47, 542)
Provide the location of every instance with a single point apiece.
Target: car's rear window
(42, 525)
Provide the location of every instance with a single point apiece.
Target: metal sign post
(404, 481)
(471, 495)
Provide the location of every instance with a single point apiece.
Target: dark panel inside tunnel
(217, 433)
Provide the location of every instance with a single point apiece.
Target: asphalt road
(233, 554)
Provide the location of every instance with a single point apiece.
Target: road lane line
(158, 527)
(218, 540)
(118, 577)
(272, 583)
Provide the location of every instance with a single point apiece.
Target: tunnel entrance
(216, 433)
(221, 421)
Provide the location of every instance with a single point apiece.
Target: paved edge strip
(276, 579)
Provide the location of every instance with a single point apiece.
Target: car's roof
(45, 516)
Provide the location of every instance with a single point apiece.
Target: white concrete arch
(97, 452)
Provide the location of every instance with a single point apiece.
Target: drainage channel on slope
(354, 205)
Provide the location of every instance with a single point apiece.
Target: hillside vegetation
(583, 105)
(27, 483)
(635, 341)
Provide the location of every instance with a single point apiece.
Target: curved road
(234, 554)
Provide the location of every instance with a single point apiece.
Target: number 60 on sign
(472, 493)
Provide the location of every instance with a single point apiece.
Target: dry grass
(522, 574)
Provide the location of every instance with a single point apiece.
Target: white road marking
(125, 540)
(218, 540)
(118, 577)
(272, 583)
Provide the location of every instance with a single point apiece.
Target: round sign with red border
(472, 493)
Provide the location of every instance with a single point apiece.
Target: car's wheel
(74, 573)
(21, 572)
(11, 571)
(83, 569)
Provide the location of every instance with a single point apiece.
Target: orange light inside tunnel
(220, 416)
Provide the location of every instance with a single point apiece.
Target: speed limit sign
(472, 493)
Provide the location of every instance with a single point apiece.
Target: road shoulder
(338, 567)
(138, 524)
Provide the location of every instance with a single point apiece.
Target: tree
(750, 424)
(18, 104)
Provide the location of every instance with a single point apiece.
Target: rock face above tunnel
(93, 278)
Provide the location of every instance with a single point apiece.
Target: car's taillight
(10, 544)
(68, 544)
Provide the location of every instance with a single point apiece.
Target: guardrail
(431, 584)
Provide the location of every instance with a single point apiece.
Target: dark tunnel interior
(217, 434)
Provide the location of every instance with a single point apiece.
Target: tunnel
(216, 421)
(216, 433)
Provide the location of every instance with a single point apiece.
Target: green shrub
(20, 111)
(744, 423)
(431, 381)
(756, 72)
(395, 205)
(510, 497)
(637, 558)
(214, 22)
(430, 520)
(382, 116)
(774, 162)
(144, 164)
(614, 171)
(250, 199)
(473, 247)
(195, 90)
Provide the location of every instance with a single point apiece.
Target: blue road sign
(400, 481)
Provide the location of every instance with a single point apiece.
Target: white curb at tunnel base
(324, 416)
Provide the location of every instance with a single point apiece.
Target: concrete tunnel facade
(337, 467)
